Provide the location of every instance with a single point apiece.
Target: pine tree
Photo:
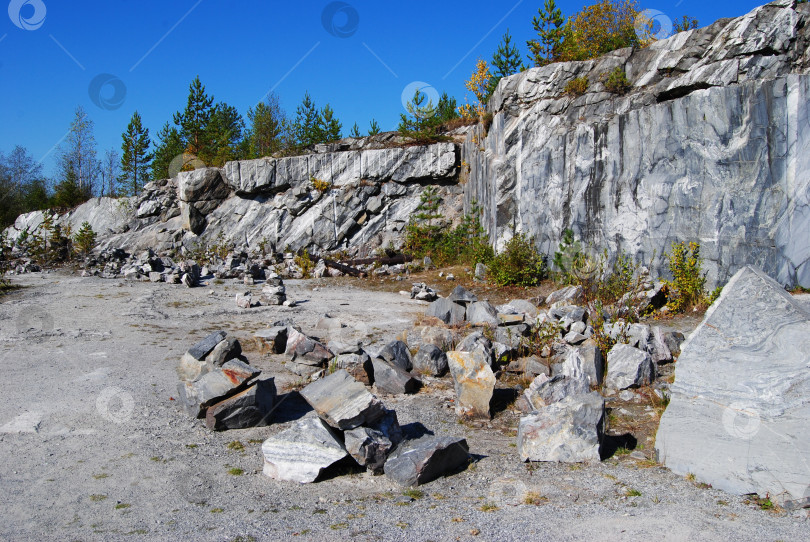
(373, 127)
(446, 108)
(505, 62)
(307, 123)
(225, 130)
(355, 131)
(136, 159)
(329, 127)
(195, 119)
(269, 130)
(418, 124)
(169, 146)
(69, 193)
(550, 28)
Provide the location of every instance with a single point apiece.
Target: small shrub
(686, 288)
(576, 86)
(319, 185)
(617, 81)
(85, 239)
(520, 264)
(305, 263)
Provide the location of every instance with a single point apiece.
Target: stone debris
(214, 386)
(474, 383)
(482, 313)
(426, 459)
(430, 360)
(462, 295)
(392, 379)
(422, 292)
(273, 339)
(371, 445)
(569, 294)
(206, 345)
(628, 367)
(447, 311)
(226, 350)
(305, 350)
(302, 452)
(397, 353)
(343, 402)
(544, 391)
(566, 431)
(252, 407)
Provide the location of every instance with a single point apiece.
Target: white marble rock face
(741, 398)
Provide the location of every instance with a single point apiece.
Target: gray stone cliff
(711, 144)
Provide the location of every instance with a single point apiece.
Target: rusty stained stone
(474, 383)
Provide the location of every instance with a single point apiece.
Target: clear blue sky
(241, 49)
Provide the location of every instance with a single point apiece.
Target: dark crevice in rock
(680, 92)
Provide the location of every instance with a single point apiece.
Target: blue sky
(358, 56)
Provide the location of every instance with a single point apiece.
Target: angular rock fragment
(445, 310)
(343, 402)
(544, 391)
(305, 350)
(423, 460)
(190, 369)
(628, 367)
(371, 445)
(252, 407)
(204, 347)
(430, 360)
(568, 431)
(227, 349)
(274, 339)
(302, 452)
(474, 383)
(659, 351)
(482, 313)
(588, 360)
(397, 353)
(392, 379)
(462, 295)
(738, 414)
(214, 386)
(571, 294)
(357, 365)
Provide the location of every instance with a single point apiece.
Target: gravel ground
(93, 446)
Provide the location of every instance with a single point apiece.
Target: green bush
(687, 287)
(467, 243)
(520, 264)
(577, 86)
(617, 81)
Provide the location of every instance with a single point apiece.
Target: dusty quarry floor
(93, 446)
